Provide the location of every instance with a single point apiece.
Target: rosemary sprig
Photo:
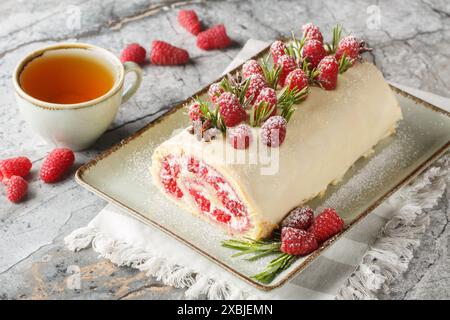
(260, 113)
(259, 249)
(211, 115)
(287, 98)
(344, 64)
(239, 89)
(337, 33)
(277, 265)
(294, 48)
(271, 73)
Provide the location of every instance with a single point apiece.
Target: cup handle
(131, 90)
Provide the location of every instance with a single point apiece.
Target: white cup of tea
(69, 93)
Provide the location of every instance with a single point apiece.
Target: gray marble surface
(412, 47)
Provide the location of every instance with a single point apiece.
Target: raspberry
(327, 224)
(240, 136)
(250, 68)
(313, 51)
(19, 166)
(133, 52)
(350, 46)
(312, 32)
(297, 79)
(297, 242)
(273, 131)
(169, 174)
(194, 111)
(269, 96)
(257, 83)
(214, 92)
(221, 216)
(16, 188)
(277, 50)
(287, 64)
(57, 163)
(163, 53)
(328, 72)
(299, 218)
(230, 109)
(213, 38)
(203, 203)
(188, 19)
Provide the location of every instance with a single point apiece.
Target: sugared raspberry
(350, 46)
(194, 111)
(188, 19)
(327, 224)
(269, 96)
(273, 131)
(312, 32)
(313, 51)
(257, 83)
(213, 38)
(163, 53)
(240, 136)
(19, 166)
(296, 79)
(299, 218)
(230, 109)
(133, 52)
(277, 50)
(250, 68)
(57, 163)
(297, 242)
(287, 64)
(328, 72)
(214, 92)
(16, 188)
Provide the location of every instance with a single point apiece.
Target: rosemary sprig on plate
(259, 249)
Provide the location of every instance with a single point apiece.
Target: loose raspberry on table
(328, 72)
(299, 218)
(287, 64)
(230, 109)
(277, 50)
(297, 242)
(313, 51)
(19, 166)
(273, 131)
(213, 38)
(251, 67)
(350, 46)
(133, 52)
(16, 189)
(214, 92)
(327, 224)
(188, 19)
(297, 79)
(312, 32)
(163, 53)
(57, 163)
(240, 136)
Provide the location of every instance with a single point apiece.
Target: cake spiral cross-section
(232, 186)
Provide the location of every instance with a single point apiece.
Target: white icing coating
(328, 132)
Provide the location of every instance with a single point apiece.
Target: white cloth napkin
(360, 264)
